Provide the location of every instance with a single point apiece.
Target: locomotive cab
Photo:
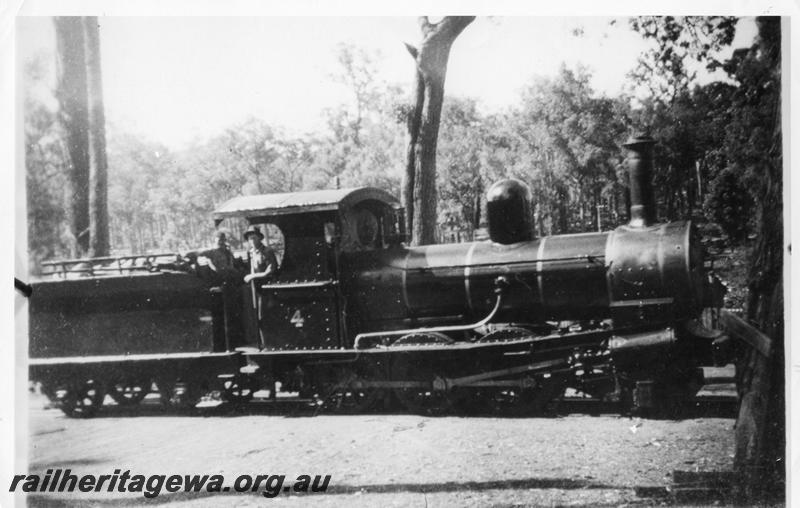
(302, 306)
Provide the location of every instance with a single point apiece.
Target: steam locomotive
(356, 318)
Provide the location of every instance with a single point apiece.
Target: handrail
(101, 259)
(500, 284)
(589, 258)
(106, 264)
(301, 285)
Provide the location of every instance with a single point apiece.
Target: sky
(178, 79)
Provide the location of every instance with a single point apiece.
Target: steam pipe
(501, 283)
(640, 169)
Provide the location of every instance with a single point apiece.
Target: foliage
(754, 146)
(715, 142)
(689, 154)
(665, 68)
(461, 150)
(575, 137)
(46, 163)
(729, 204)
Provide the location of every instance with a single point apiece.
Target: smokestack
(640, 169)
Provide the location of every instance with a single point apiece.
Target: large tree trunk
(74, 118)
(431, 63)
(761, 426)
(98, 166)
(414, 120)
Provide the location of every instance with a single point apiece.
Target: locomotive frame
(356, 318)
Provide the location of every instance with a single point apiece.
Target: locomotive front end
(655, 274)
(655, 271)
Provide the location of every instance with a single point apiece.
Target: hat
(253, 230)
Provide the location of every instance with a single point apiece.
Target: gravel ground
(385, 459)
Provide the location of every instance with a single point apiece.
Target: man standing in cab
(263, 266)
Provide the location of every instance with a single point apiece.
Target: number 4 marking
(297, 319)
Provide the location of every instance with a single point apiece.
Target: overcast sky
(174, 79)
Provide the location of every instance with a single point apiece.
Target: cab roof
(289, 203)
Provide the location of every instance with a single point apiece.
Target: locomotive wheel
(129, 393)
(506, 334)
(432, 399)
(238, 390)
(534, 401)
(349, 396)
(469, 401)
(81, 400)
(526, 400)
(423, 339)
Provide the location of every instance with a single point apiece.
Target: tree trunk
(74, 118)
(477, 200)
(431, 65)
(98, 166)
(761, 427)
(422, 232)
(597, 215)
(414, 120)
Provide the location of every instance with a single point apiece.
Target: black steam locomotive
(356, 318)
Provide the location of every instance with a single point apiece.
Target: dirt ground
(386, 459)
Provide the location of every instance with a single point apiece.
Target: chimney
(640, 169)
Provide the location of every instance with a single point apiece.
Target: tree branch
(412, 50)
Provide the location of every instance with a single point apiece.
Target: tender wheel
(177, 394)
(50, 391)
(427, 393)
(81, 400)
(238, 390)
(129, 393)
(164, 388)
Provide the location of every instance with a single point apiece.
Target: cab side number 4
(297, 319)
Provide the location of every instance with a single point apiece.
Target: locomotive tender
(356, 318)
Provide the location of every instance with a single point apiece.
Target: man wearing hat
(224, 271)
(221, 259)
(263, 264)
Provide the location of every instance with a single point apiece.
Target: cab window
(235, 228)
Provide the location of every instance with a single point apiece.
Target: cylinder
(640, 169)
(508, 210)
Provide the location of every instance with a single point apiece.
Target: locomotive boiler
(356, 318)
